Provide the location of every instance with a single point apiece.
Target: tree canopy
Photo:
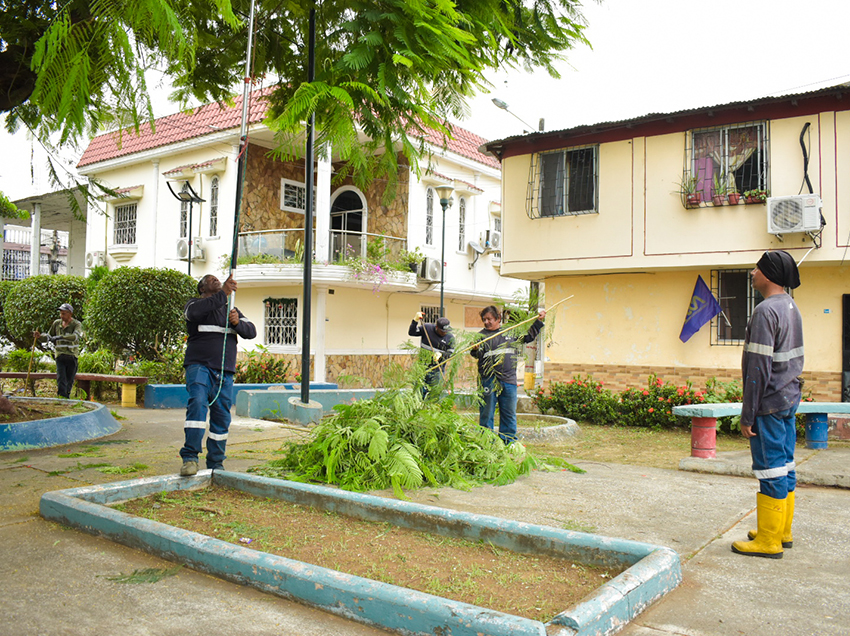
(388, 68)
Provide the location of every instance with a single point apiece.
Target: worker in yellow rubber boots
(772, 364)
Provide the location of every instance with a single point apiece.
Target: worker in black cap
(436, 347)
(772, 364)
(66, 334)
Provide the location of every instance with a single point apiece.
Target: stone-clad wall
(261, 198)
(824, 386)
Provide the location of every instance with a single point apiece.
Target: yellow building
(626, 215)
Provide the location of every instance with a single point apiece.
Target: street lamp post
(498, 103)
(187, 195)
(445, 194)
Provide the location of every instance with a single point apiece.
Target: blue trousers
(494, 392)
(772, 450)
(202, 384)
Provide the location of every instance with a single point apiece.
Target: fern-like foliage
(396, 440)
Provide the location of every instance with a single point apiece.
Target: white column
(75, 261)
(319, 358)
(153, 215)
(35, 240)
(323, 205)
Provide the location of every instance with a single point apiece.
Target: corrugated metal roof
(213, 118)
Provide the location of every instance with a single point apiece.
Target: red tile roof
(211, 118)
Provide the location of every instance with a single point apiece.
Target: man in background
(437, 345)
(65, 333)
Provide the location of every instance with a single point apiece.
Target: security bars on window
(281, 321)
(430, 312)
(563, 183)
(125, 225)
(214, 207)
(737, 298)
(723, 163)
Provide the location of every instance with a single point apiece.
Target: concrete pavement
(55, 579)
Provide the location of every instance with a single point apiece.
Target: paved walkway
(55, 579)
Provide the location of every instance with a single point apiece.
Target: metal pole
(306, 314)
(189, 236)
(443, 257)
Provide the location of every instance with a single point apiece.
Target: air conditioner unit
(493, 240)
(430, 269)
(94, 259)
(798, 213)
(183, 249)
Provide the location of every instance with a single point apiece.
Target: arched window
(461, 227)
(184, 213)
(348, 221)
(214, 207)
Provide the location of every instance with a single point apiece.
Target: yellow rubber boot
(771, 525)
(787, 537)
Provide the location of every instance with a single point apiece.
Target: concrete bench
(704, 422)
(84, 380)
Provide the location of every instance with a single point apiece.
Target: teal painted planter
(58, 431)
(652, 570)
(174, 396)
(279, 404)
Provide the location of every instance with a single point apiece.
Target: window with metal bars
(430, 313)
(184, 213)
(724, 163)
(429, 217)
(563, 183)
(124, 225)
(214, 206)
(737, 298)
(281, 321)
(293, 196)
(461, 227)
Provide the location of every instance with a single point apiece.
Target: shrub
(99, 361)
(5, 287)
(33, 304)
(140, 310)
(652, 407)
(19, 360)
(717, 392)
(261, 367)
(167, 370)
(581, 399)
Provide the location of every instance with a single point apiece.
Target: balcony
(358, 260)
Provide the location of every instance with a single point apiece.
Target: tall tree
(388, 68)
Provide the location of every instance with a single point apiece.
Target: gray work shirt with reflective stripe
(773, 358)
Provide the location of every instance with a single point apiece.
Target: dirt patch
(28, 411)
(536, 587)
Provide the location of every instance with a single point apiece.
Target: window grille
(461, 227)
(563, 183)
(737, 298)
(125, 225)
(281, 321)
(293, 196)
(184, 213)
(214, 207)
(429, 217)
(431, 313)
(724, 161)
(497, 223)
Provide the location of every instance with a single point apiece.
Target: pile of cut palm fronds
(398, 440)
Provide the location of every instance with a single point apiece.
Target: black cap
(779, 267)
(443, 323)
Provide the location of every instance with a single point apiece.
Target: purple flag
(703, 308)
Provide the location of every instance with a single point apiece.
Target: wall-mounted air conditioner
(798, 213)
(197, 249)
(493, 240)
(430, 269)
(94, 259)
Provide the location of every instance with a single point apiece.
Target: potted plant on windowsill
(733, 197)
(691, 197)
(755, 196)
(718, 193)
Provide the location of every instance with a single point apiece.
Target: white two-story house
(359, 315)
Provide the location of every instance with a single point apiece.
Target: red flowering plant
(581, 399)
(652, 407)
(261, 367)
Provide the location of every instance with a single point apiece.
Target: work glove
(419, 315)
(437, 356)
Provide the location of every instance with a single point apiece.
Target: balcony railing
(288, 246)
